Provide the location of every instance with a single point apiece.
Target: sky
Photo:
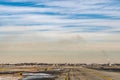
(60, 31)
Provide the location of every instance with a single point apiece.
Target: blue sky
(94, 15)
(52, 21)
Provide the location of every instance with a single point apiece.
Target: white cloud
(15, 9)
(59, 28)
(25, 28)
(21, 18)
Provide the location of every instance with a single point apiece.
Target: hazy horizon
(60, 31)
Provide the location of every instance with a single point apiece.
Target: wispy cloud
(60, 17)
(70, 30)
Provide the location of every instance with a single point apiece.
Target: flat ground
(75, 73)
(88, 74)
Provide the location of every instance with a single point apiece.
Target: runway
(88, 74)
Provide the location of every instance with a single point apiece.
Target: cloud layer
(59, 16)
(60, 25)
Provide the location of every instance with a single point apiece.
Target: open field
(89, 74)
(61, 73)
